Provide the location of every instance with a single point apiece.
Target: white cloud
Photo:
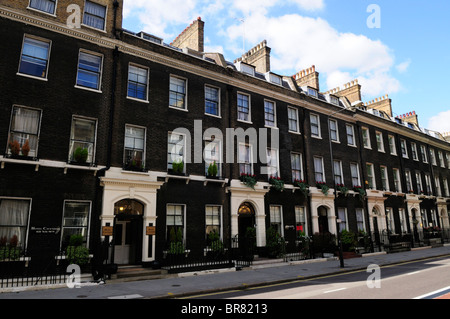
(440, 122)
(403, 67)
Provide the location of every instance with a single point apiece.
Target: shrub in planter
(176, 246)
(212, 170)
(323, 187)
(249, 180)
(304, 187)
(274, 243)
(14, 146)
(276, 183)
(26, 148)
(349, 240)
(76, 253)
(177, 167)
(11, 251)
(341, 188)
(80, 155)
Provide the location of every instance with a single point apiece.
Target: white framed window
(293, 120)
(408, 179)
(312, 92)
(438, 186)
(245, 159)
(297, 166)
(75, 221)
(212, 100)
(404, 148)
(397, 182)
(402, 215)
(392, 146)
(35, 57)
(14, 219)
(338, 177)
(390, 217)
(380, 143)
(89, 73)
(447, 156)
(94, 15)
(134, 147)
(177, 93)
(243, 107)
(137, 82)
(423, 150)
(350, 129)
(47, 6)
(82, 140)
(370, 176)
(176, 151)
(272, 163)
(213, 155)
(342, 215)
(300, 221)
(445, 184)
(319, 172)
(315, 125)
(276, 219)
(175, 222)
(419, 182)
(334, 132)
(384, 178)
(441, 159)
(354, 171)
(366, 137)
(432, 157)
(24, 129)
(428, 184)
(414, 151)
(270, 114)
(360, 224)
(213, 221)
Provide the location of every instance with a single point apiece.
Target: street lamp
(341, 257)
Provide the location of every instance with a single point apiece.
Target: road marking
(127, 297)
(330, 291)
(437, 292)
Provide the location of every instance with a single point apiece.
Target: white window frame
(94, 146)
(433, 157)
(360, 212)
(275, 220)
(392, 145)
(88, 221)
(274, 105)
(419, 182)
(342, 215)
(380, 142)
(23, 243)
(144, 146)
(185, 93)
(428, 184)
(298, 211)
(423, 150)
(397, 181)
(183, 221)
(295, 169)
(402, 216)
(437, 184)
(220, 217)
(137, 66)
(336, 130)
(445, 183)
(105, 18)
(297, 126)
(371, 175)
(207, 86)
(320, 159)
(249, 114)
(338, 174)
(404, 148)
(29, 36)
(271, 167)
(384, 177)
(183, 156)
(358, 177)
(441, 159)
(366, 139)
(99, 86)
(408, 179)
(38, 134)
(250, 155)
(53, 14)
(415, 155)
(352, 128)
(209, 160)
(319, 133)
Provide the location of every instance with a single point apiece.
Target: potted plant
(14, 146)
(178, 167)
(76, 253)
(304, 187)
(276, 183)
(26, 148)
(361, 192)
(216, 249)
(80, 155)
(274, 243)
(212, 170)
(323, 187)
(249, 180)
(9, 250)
(341, 188)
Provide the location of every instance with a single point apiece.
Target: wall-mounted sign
(107, 230)
(150, 230)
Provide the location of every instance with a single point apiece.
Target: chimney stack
(308, 77)
(383, 103)
(351, 91)
(258, 56)
(192, 37)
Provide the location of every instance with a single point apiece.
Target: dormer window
(334, 100)
(312, 92)
(150, 38)
(246, 68)
(273, 78)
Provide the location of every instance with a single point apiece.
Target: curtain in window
(14, 219)
(94, 15)
(25, 126)
(34, 57)
(83, 136)
(318, 169)
(89, 70)
(43, 5)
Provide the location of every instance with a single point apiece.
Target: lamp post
(341, 257)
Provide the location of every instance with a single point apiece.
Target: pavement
(208, 282)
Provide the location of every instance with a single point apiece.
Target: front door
(122, 242)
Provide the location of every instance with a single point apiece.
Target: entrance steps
(267, 262)
(136, 273)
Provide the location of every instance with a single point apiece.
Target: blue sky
(407, 57)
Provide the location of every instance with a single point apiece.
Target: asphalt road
(415, 279)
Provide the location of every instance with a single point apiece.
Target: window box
(248, 180)
(323, 187)
(277, 183)
(342, 189)
(303, 185)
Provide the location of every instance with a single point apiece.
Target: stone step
(138, 273)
